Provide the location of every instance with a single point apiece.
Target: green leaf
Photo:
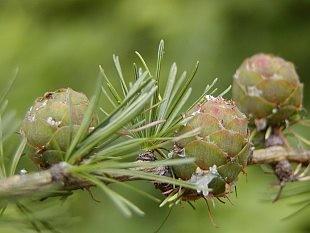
(8, 87)
(114, 124)
(84, 127)
(160, 55)
(162, 113)
(17, 156)
(208, 88)
(137, 190)
(108, 97)
(149, 176)
(96, 167)
(172, 197)
(110, 86)
(2, 162)
(307, 205)
(118, 149)
(225, 91)
(122, 203)
(183, 85)
(132, 96)
(140, 83)
(301, 138)
(147, 126)
(177, 110)
(143, 62)
(3, 106)
(120, 74)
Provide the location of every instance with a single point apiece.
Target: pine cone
(47, 125)
(268, 87)
(221, 149)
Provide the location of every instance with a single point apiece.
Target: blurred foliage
(61, 43)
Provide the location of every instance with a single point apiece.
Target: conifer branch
(58, 177)
(278, 153)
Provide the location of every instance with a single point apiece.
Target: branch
(58, 176)
(278, 153)
(55, 178)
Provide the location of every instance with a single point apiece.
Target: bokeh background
(61, 43)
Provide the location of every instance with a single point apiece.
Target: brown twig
(279, 153)
(58, 177)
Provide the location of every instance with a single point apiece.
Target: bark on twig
(279, 153)
(58, 176)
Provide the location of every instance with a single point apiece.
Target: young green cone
(52, 122)
(221, 149)
(267, 87)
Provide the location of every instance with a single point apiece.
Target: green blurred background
(61, 43)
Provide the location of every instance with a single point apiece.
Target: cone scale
(52, 122)
(267, 88)
(221, 149)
